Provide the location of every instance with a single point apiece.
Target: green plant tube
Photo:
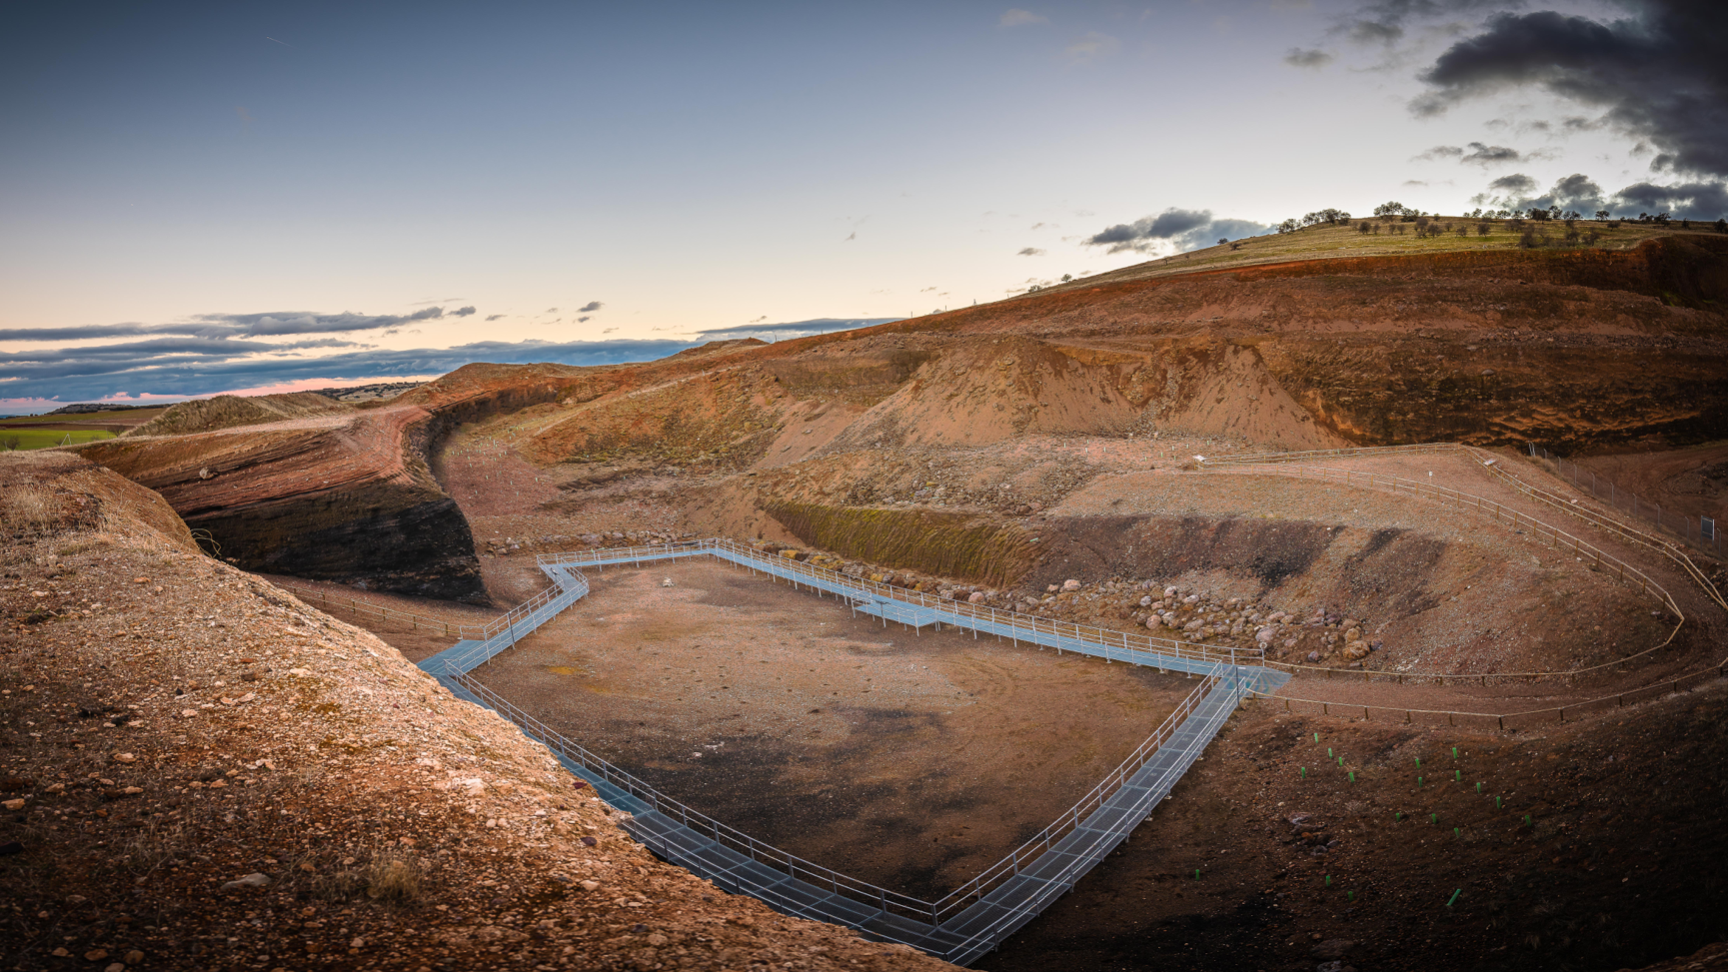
(1397, 816)
(1457, 776)
(1527, 820)
(1457, 831)
(1435, 818)
(1328, 880)
(1352, 776)
(1496, 803)
(1418, 762)
(1316, 737)
(1418, 782)
(1328, 752)
(1196, 874)
(1455, 895)
(1351, 895)
(1478, 786)
(1454, 752)
(1340, 761)
(1304, 772)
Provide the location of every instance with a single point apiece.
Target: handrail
(569, 584)
(1128, 641)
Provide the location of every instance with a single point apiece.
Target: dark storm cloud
(1659, 75)
(1187, 229)
(1475, 153)
(590, 307)
(1580, 193)
(1304, 58)
(1577, 191)
(1486, 155)
(1691, 200)
(1516, 184)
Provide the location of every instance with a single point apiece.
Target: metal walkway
(973, 919)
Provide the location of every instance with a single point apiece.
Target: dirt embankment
(228, 411)
(201, 772)
(345, 497)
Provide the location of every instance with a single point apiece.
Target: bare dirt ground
(911, 761)
(1618, 865)
(1689, 481)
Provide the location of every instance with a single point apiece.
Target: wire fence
(1700, 531)
(1536, 530)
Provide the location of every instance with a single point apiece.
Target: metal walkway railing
(967, 922)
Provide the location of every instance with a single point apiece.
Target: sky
(247, 197)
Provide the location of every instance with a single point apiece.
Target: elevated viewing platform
(969, 921)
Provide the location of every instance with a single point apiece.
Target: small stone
(56, 788)
(590, 885)
(188, 713)
(589, 842)
(96, 955)
(1070, 585)
(357, 943)
(60, 953)
(253, 880)
(1313, 656)
(125, 758)
(976, 598)
(13, 804)
(134, 957)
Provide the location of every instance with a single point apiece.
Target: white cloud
(1016, 17)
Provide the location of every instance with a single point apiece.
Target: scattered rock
(253, 880)
(1070, 585)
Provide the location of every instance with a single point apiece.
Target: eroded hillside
(983, 411)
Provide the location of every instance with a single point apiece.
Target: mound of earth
(201, 772)
(228, 411)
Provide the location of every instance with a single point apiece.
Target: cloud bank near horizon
(192, 365)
